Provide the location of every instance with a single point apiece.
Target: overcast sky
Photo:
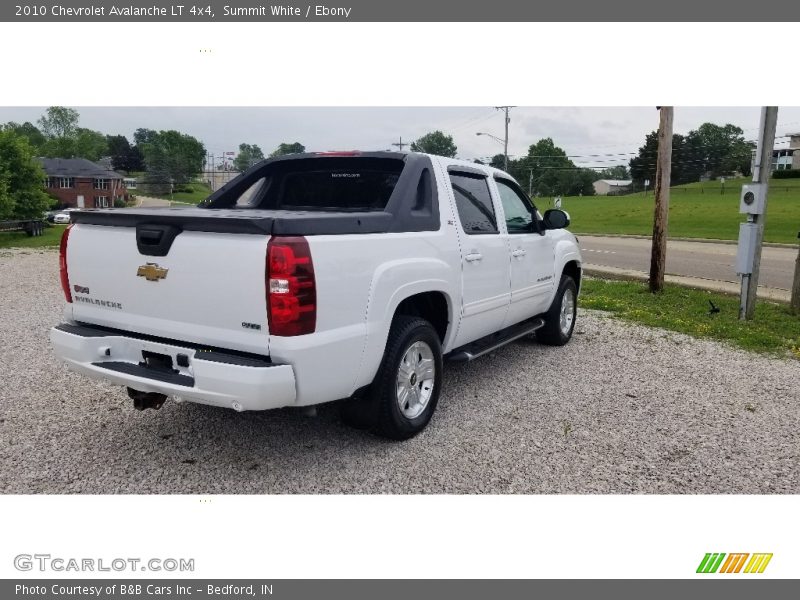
(579, 130)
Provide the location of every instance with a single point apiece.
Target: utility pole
(658, 258)
(505, 109)
(761, 173)
(400, 144)
(795, 301)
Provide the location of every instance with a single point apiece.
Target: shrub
(788, 174)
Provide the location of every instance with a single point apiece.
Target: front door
(81, 202)
(484, 258)
(531, 255)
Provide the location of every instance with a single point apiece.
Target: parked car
(61, 218)
(317, 277)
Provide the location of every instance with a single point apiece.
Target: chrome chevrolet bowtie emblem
(152, 272)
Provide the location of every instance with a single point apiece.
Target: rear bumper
(216, 378)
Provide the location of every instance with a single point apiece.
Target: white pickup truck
(317, 277)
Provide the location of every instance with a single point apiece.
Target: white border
(368, 536)
(399, 64)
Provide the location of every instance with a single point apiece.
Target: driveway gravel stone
(621, 409)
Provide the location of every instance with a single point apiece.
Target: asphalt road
(620, 409)
(691, 259)
(147, 202)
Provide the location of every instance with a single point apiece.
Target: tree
(29, 131)
(713, 149)
(437, 143)
(171, 155)
(248, 156)
(616, 172)
(62, 138)
(22, 195)
(550, 166)
(59, 122)
(124, 157)
(144, 136)
(284, 149)
(498, 161)
(91, 145)
(157, 179)
(685, 168)
(721, 149)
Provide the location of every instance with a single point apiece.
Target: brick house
(80, 183)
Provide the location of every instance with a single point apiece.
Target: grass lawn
(200, 191)
(773, 330)
(19, 239)
(696, 210)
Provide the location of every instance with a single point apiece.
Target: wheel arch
(573, 269)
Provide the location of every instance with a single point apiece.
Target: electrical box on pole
(746, 250)
(753, 203)
(753, 199)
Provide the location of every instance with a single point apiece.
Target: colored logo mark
(719, 562)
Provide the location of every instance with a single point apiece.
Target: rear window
(330, 183)
(348, 189)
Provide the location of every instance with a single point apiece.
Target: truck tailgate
(208, 289)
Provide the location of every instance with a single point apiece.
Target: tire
(402, 399)
(559, 320)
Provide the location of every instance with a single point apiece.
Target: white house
(612, 187)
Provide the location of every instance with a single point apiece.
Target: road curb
(680, 239)
(723, 287)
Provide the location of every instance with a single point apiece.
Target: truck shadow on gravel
(204, 449)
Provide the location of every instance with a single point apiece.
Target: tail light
(62, 264)
(291, 287)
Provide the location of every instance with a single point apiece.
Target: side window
(516, 208)
(474, 203)
(253, 195)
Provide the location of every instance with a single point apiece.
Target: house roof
(617, 182)
(76, 167)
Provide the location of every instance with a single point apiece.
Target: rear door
(484, 257)
(209, 288)
(531, 255)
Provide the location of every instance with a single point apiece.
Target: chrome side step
(494, 341)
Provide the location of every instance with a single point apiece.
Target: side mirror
(555, 219)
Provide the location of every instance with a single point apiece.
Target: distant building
(612, 187)
(784, 159)
(80, 183)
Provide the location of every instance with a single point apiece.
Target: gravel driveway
(621, 409)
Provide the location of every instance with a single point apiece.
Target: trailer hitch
(145, 400)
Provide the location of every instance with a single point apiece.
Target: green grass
(200, 191)
(696, 210)
(773, 330)
(19, 239)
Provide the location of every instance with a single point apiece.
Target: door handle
(474, 256)
(519, 253)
